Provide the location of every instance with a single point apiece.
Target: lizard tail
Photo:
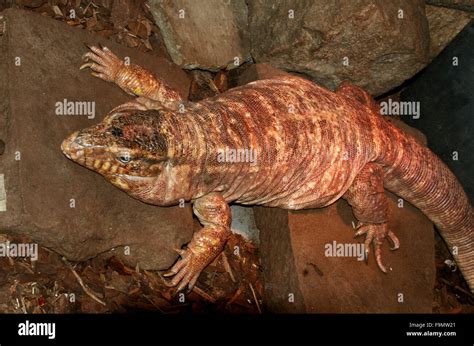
(416, 174)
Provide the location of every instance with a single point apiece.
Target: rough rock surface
(466, 5)
(292, 250)
(203, 34)
(40, 185)
(444, 24)
(382, 49)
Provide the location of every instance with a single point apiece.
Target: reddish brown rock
(296, 266)
(41, 184)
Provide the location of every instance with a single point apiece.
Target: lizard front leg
(370, 207)
(214, 214)
(133, 79)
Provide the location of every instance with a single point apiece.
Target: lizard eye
(124, 158)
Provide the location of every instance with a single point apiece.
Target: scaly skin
(312, 147)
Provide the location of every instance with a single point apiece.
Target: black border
(158, 329)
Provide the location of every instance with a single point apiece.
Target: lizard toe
(192, 282)
(178, 277)
(378, 256)
(394, 240)
(102, 60)
(376, 235)
(185, 272)
(176, 268)
(185, 281)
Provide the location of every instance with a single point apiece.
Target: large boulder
(444, 24)
(207, 34)
(50, 199)
(374, 44)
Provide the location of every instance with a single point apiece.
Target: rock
(41, 183)
(278, 256)
(315, 37)
(203, 34)
(300, 278)
(466, 5)
(444, 24)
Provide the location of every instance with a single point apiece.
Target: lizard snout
(72, 146)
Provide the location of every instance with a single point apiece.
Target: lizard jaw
(137, 186)
(133, 178)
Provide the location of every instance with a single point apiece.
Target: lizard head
(129, 149)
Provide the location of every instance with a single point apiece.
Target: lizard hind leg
(369, 204)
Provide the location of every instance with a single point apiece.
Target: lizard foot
(186, 271)
(102, 62)
(376, 234)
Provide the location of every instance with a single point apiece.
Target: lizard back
(308, 143)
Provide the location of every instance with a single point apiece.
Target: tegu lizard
(310, 146)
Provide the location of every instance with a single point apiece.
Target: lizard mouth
(89, 156)
(74, 148)
(133, 178)
(130, 183)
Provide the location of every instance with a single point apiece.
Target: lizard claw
(103, 62)
(394, 240)
(376, 234)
